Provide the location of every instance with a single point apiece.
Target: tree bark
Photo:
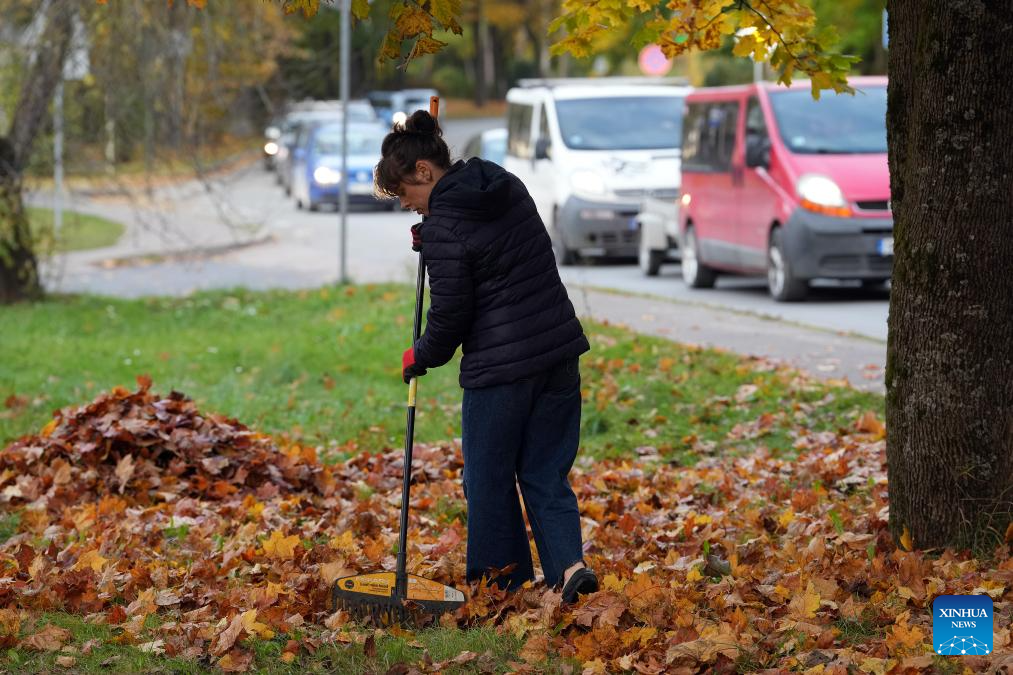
(950, 349)
(19, 274)
(19, 270)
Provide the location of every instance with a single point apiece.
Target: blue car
(316, 171)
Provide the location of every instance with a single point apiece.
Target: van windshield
(621, 123)
(835, 125)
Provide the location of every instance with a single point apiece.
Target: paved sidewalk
(824, 354)
(191, 217)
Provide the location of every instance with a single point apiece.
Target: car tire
(694, 272)
(650, 260)
(298, 204)
(314, 207)
(782, 282)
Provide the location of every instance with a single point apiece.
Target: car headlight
(325, 175)
(398, 118)
(822, 195)
(271, 148)
(587, 182)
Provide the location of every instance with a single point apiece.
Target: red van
(776, 182)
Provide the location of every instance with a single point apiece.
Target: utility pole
(58, 158)
(343, 197)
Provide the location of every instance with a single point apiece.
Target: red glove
(417, 237)
(409, 368)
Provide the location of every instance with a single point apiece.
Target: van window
(519, 130)
(755, 124)
(840, 124)
(709, 136)
(543, 125)
(621, 123)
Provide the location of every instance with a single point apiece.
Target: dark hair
(420, 137)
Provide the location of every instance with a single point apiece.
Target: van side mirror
(542, 148)
(757, 151)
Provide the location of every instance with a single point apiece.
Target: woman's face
(414, 195)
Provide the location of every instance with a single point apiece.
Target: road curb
(180, 255)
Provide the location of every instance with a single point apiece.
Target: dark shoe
(581, 582)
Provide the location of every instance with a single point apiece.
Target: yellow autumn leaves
(278, 546)
(783, 33)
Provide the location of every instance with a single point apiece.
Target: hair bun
(424, 124)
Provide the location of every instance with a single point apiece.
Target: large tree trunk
(950, 352)
(19, 275)
(19, 271)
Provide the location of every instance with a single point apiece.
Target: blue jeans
(523, 434)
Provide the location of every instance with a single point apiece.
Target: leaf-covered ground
(208, 544)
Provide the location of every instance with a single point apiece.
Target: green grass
(106, 655)
(857, 631)
(323, 366)
(80, 231)
(9, 525)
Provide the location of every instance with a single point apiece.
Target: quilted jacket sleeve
(451, 290)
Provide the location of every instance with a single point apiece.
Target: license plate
(885, 246)
(360, 189)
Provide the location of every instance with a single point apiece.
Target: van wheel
(695, 273)
(782, 282)
(298, 204)
(650, 259)
(313, 206)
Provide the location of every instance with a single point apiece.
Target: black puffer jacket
(493, 281)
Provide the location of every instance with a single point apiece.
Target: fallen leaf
(805, 604)
(280, 546)
(236, 661)
(254, 627)
(91, 559)
(49, 639)
(906, 541)
(606, 607)
(66, 661)
(153, 647)
(535, 649)
(226, 638)
(10, 626)
(166, 598)
(125, 471)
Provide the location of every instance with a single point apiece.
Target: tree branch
(770, 25)
(40, 81)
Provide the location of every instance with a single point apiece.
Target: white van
(590, 150)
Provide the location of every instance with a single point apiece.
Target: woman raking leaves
(496, 293)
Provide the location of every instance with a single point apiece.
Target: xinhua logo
(962, 625)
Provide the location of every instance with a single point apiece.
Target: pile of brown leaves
(139, 505)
